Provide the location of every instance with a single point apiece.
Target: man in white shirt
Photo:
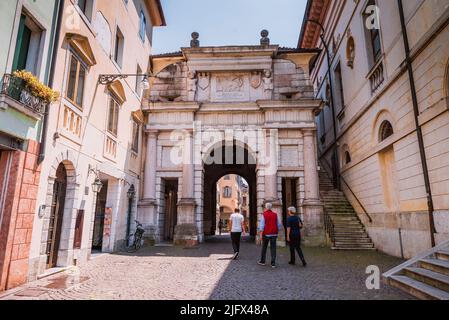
(237, 224)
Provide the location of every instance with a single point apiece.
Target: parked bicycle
(135, 240)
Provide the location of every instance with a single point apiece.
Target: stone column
(147, 208)
(314, 233)
(186, 231)
(271, 185)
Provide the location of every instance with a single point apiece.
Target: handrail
(329, 226)
(358, 201)
(353, 194)
(415, 259)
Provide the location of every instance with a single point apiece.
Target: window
(143, 26)
(28, 45)
(244, 202)
(385, 131)
(113, 116)
(227, 192)
(372, 33)
(135, 137)
(227, 177)
(87, 8)
(76, 81)
(339, 94)
(119, 47)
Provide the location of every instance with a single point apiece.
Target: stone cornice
(290, 104)
(171, 107)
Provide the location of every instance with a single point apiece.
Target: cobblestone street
(208, 273)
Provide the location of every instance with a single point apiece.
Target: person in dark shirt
(294, 226)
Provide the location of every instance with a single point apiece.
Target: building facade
(230, 194)
(383, 134)
(92, 146)
(214, 111)
(27, 32)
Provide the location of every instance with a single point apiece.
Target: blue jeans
(272, 242)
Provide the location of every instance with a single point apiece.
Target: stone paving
(165, 272)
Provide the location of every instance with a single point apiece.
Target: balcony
(15, 88)
(376, 76)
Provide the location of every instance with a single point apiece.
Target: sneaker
(273, 266)
(234, 257)
(260, 263)
(292, 263)
(304, 264)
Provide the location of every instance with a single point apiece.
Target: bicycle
(135, 240)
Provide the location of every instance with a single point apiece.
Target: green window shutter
(22, 46)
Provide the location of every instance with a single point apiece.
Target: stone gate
(231, 109)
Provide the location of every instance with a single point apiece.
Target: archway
(232, 159)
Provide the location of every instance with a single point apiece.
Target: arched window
(347, 158)
(385, 131)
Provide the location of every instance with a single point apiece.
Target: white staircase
(426, 276)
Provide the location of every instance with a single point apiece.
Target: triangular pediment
(82, 46)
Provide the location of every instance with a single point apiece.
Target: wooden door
(171, 212)
(56, 216)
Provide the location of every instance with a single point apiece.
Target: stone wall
(18, 215)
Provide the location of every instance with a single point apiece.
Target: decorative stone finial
(264, 41)
(195, 43)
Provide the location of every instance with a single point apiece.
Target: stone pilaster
(314, 233)
(271, 186)
(147, 207)
(186, 231)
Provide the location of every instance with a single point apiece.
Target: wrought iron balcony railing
(16, 89)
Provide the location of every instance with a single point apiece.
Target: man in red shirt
(269, 228)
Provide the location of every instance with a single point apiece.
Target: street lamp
(97, 185)
(329, 64)
(131, 194)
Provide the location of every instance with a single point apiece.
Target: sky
(228, 22)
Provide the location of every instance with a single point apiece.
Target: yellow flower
(37, 88)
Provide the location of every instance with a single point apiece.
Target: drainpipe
(329, 64)
(43, 143)
(422, 151)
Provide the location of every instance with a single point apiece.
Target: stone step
(353, 248)
(443, 255)
(343, 233)
(352, 236)
(335, 209)
(418, 289)
(435, 265)
(341, 214)
(346, 222)
(343, 219)
(339, 226)
(431, 278)
(352, 240)
(354, 245)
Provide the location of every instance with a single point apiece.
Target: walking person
(294, 226)
(237, 226)
(220, 226)
(269, 228)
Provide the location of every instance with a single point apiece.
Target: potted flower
(32, 84)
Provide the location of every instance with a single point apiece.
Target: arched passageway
(226, 160)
